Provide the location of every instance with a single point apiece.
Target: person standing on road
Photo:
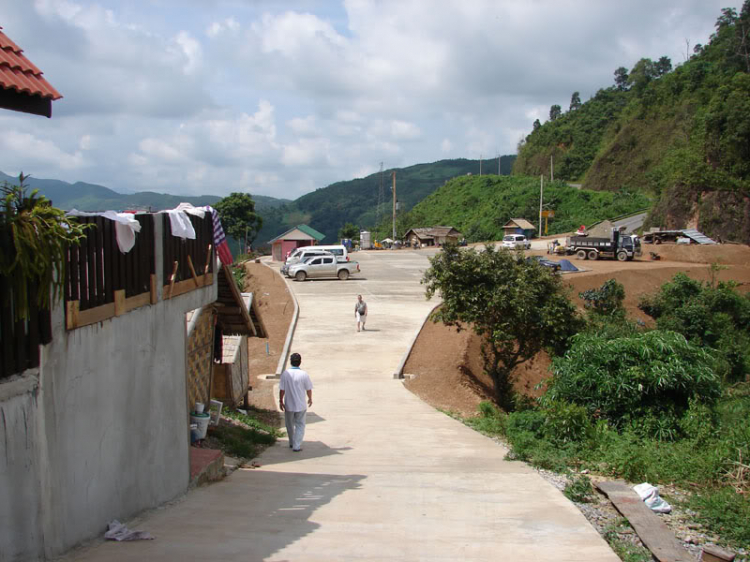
(293, 385)
(360, 313)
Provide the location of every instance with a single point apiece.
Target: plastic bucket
(199, 407)
(201, 420)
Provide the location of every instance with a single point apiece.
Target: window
(316, 261)
(327, 260)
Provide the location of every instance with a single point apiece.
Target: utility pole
(551, 167)
(541, 199)
(394, 205)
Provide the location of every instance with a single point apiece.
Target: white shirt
(295, 383)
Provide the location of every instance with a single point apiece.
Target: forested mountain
(358, 201)
(479, 206)
(680, 136)
(92, 197)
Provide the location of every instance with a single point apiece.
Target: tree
(554, 112)
(621, 78)
(663, 66)
(238, 217)
(349, 231)
(537, 124)
(517, 307)
(575, 101)
(643, 72)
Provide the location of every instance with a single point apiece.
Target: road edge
(399, 373)
(292, 326)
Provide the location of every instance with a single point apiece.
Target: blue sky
(281, 97)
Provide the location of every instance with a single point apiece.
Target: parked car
(516, 242)
(544, 262)
(300, 255)
(322, 266)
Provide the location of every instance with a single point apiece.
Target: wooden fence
(20, 339)
(101, 281)
(188, 264)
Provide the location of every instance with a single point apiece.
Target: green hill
(357, 201)
(92, 197)
(680, 136)
(479, 206)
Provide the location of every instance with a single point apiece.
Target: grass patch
(241, 442)
(253, 420)
(627, 551)
(725, 512)
(250, 433)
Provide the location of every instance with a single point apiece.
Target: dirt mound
(450, 372)
(728, 254)
(276, 310)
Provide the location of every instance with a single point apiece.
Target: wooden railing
(20, 339)
(101, 281)
(188, 264)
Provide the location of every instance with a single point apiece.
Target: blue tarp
(565, 265)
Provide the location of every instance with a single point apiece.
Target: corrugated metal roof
(432, 231)
(304, 229)
(698, 236)
(19, 74)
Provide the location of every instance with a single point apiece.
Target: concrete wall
(20, 506)
(104, 435)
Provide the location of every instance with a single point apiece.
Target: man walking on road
(293, 385)
(360, 313)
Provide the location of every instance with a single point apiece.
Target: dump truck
(623, 247)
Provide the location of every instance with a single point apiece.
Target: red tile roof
(19, 73)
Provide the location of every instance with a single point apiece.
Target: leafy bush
(579, 490)
(607, 300)
(714, 316)
(624, 379)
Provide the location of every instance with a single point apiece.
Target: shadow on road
(281, 453)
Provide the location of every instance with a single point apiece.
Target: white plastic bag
(650, 495)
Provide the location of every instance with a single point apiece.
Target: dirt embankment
(448, 364)
(276, 309)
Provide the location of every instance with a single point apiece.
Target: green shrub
(579, 490)
(606, 300)
(624, 379)
(711, 315)
(566, 422)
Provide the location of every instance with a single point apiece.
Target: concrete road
(382, 475)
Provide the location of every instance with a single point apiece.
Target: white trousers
(295, 427)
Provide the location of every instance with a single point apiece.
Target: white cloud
(282, 98)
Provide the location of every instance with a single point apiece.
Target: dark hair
(296, 359)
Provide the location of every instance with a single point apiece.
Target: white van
(516, 242)
(338, 250)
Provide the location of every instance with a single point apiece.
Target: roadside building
(297, 237)
(432, 236)
(519, 226)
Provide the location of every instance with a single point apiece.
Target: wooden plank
(182, 287)
(83, 295)
(119, 302)
(91, 267)
(657, 537)
(192, 272)
(137, 301)
(107, 257)
(102, 225)
(153, 295)
(72, 309)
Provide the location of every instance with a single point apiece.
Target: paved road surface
(382, 475)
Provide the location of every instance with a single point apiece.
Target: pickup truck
(322, 266)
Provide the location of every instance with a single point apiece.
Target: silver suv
(516, 242)
(301, 255)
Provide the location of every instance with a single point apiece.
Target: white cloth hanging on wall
(181, 225)
(125, 226)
